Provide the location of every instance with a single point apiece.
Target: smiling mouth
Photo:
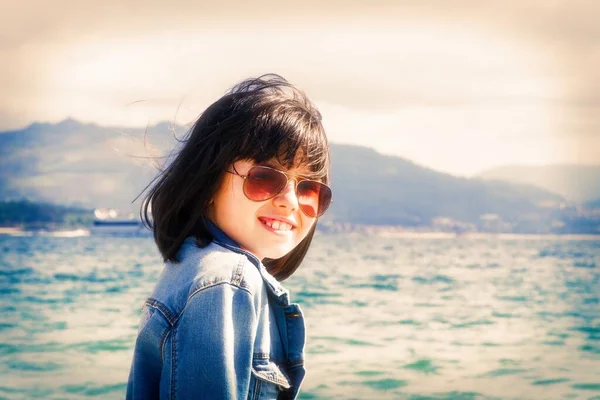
(276, 225)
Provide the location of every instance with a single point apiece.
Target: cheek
(230, 197)
(307, 224)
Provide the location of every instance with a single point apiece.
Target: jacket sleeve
(212, 344)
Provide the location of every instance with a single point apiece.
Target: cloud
(570, 21)
(467, 62)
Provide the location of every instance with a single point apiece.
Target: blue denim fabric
(218, 326)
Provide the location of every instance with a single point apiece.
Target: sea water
(410, 317)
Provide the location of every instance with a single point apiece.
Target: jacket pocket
(267, 380)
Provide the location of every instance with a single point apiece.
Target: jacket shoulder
(215, 265)
(201, 268)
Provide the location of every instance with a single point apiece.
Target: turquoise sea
(389, 317)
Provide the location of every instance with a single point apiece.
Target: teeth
(278, 225)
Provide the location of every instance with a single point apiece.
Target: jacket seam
(256, 388)
(236, 279)
(296, 364)
(173, 366)
(198, 290)
(162, 308)
(238, 273)
(162, 344)
(212, 284)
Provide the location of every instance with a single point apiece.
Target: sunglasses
(264, 183)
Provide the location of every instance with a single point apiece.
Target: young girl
(233, 214)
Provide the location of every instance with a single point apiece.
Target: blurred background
(465, 143)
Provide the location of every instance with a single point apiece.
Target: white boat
(112, 222)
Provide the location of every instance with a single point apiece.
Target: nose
(287, 198)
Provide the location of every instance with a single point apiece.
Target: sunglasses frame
(287, 177)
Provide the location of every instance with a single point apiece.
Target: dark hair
(259, 119)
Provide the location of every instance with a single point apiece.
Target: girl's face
(253, 224)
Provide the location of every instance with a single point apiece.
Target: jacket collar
(273, 286)
(219, 236)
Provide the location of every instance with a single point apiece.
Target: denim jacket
(217, 326)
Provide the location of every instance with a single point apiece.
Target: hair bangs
(289, 133)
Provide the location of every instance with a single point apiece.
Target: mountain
(92, 166)
(76, 164)
(593, 204)
(579, 183)
(378, 189)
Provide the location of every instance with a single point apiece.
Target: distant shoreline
(16, 231)
(487, 235)
(421, 234)
(5, 230)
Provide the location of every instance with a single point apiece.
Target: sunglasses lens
(263, 183)
(313, 197)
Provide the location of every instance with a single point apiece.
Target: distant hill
(593, 204)
(91, 166)
(378, 189)
(30, 215)
(580, 183)
(76, 164)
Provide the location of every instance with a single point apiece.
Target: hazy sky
(456, 85)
